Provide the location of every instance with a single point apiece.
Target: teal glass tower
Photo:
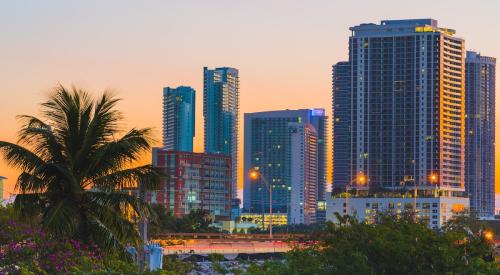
(178, 118)
(288, 147)
(221, 111)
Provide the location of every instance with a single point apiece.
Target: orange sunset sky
(284, 51)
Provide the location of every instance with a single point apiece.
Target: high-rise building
(480, 133)
(221, 111)
(269, 147)
(178, 118)
(193, 181)
(404, 110)
(341, 113)
(406, 105)
(304, 173)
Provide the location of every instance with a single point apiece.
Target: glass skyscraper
(341, 122)
(178, 118)
(400, 101)
(480, 133)
(221, 111)
(271, 142)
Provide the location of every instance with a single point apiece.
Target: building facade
(278, 219)
(1, 187)
(221, 111)
(269, 147)
(435, 211)
(405, 107)
(341, 123)
(193, 181)
(480, 133)
(178, 118)
(304, 173)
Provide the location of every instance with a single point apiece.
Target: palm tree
(74, 169)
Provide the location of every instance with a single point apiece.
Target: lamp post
(360, 180)
(255, 175)
(433, 179)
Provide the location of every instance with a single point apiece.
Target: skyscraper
(271, 144)
(341, 110)
(220, 111)
(304, 173)
(403, 108)
(406, 105)
(178, 118)
(480, 133)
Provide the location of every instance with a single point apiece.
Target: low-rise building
(434, 210)
(256, 218)
(1, 187)
(192, 181)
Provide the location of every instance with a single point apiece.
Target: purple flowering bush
(29, 249)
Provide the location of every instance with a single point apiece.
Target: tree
(197, 221)
(392, 245)
(75, 168)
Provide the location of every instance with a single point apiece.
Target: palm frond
(43, 143)
(122, 203)
(111, 232)
(29, 183)
(146, 175)
(114, 155)
(61, 217)
(30, 204)
(20, 157)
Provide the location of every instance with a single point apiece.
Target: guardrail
(264, 237)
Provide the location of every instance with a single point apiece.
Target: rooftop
(400, 27)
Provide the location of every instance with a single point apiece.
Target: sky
(284, 51)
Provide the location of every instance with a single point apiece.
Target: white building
(435, 210)
(304, 172)
(1, 187)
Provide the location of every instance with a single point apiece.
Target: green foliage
(197, 221)
(268, 267)
(28, 249)
(75, 164)
(391, 245)
(174, 266)
(216, 257)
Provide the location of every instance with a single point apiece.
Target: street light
(255, 175)
(433, 178)
(361, 179)
(488, 235)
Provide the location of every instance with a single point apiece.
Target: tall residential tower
(480, 133)
(178, 118)
(404, 108)
(341, 123)
(220, 111)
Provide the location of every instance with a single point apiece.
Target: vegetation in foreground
(197, 221)
(392, 245)
(73, 214)
(76, 165)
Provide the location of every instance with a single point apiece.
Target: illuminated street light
(488, 235)
(360, 179)
(255, 175)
